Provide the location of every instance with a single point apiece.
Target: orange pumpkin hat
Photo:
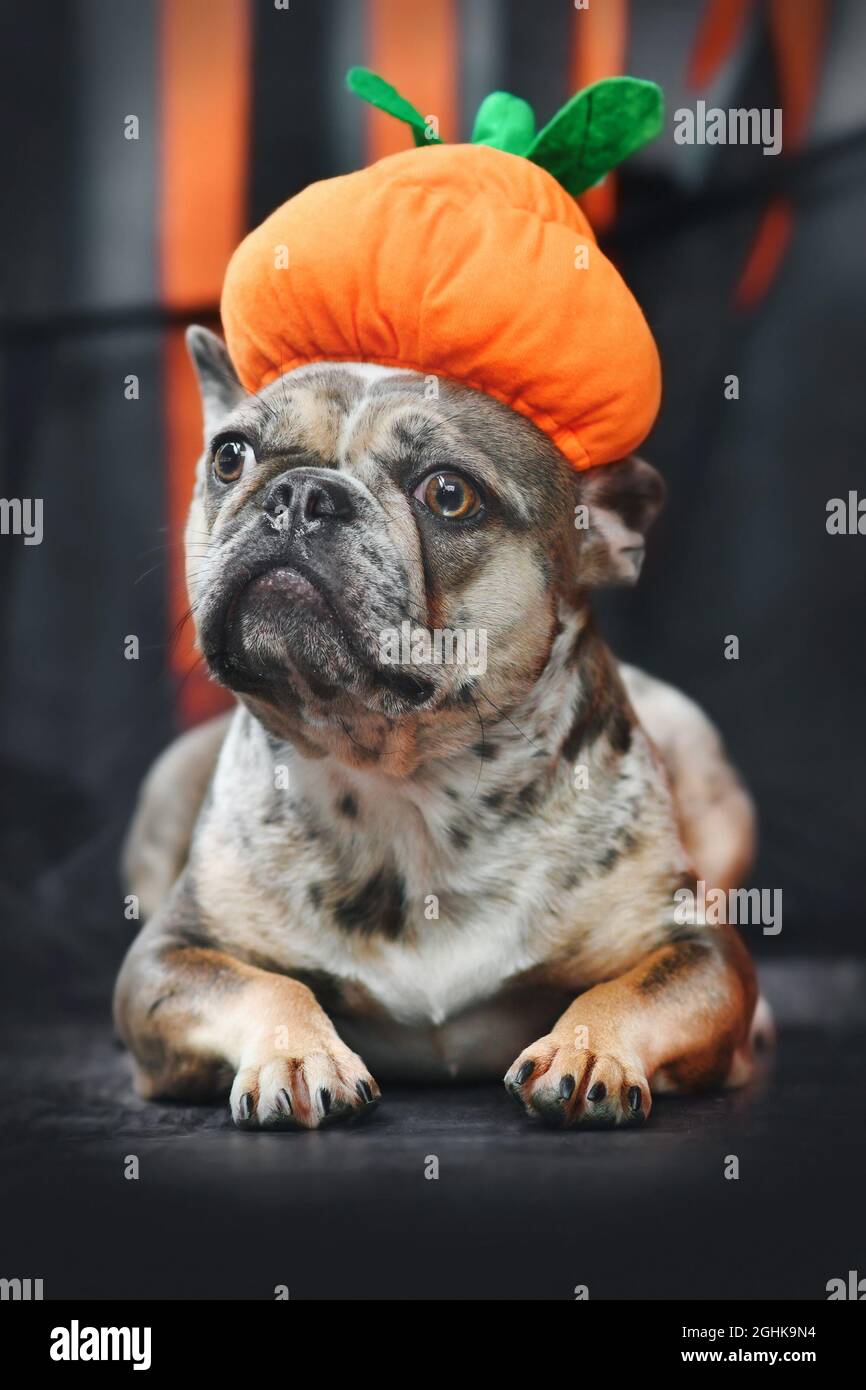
(472, 262)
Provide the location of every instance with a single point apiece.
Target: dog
(385, 865)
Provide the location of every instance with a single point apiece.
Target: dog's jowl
(394, 860)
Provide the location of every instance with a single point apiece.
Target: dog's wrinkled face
(370, 550)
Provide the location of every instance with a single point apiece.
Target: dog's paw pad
(564, 1085)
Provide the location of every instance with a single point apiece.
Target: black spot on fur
(602, 706)
(623, 844)
(378, 906)
(405, 437)
(619, 731)
(348, 806)
(493, 799)
(487, 751)
(675, 961)
(592, 718)
(529, 796)
(459, 837)
(684, 931)
(464, 696)
(323, 690)
(527, 800)
(576, 736)
(314, 893)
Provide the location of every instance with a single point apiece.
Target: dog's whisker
(510, 721)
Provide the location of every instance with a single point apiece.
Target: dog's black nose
(304, 496)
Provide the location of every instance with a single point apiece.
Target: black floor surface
(516, 1212)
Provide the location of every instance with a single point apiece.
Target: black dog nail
(634, 1097)
(566, 1086)
(246, 1105)
(365, 1091)
(324, 1100)
(285, 1101)
(598, 1091)
(525, 1072)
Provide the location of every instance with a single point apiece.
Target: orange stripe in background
(719, 32)
(414, 47)
(205, 48)
(797, 33)
(766, 254)
(598, 48)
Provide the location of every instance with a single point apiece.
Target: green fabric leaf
(597, 129)
(369, 87)
(505, 122)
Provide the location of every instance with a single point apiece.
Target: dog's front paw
(563, 1084)
(304, 1090)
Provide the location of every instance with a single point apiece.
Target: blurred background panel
(116, 232)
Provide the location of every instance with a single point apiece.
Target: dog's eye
(230, 457)
(448, 495)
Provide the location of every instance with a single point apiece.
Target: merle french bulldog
(408, 857)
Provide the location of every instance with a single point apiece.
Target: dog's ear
(217, 380)
(617, 504)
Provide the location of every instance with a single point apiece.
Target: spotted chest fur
(549, 852)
